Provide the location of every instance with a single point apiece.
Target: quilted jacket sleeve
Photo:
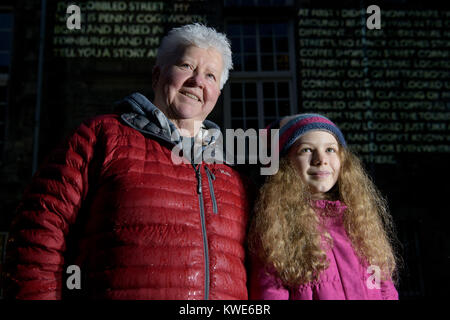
(34, 262)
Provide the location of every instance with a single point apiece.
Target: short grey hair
(200, 36)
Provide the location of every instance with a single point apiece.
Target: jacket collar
(142, 115)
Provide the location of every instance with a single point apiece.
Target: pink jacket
(345, 279)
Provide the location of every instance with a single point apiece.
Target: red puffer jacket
(145, 227)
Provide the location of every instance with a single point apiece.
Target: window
(259, 47)
(6, 25)
(244, 105)
(261, 85)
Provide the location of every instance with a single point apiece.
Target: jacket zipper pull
(211, 177)
(199, 181)
(210, 173)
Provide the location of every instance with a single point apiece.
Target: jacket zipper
(203, 222)
(211, 177)
(200, 199)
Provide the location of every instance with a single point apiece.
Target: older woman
(114, 203)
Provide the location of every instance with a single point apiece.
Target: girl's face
(315, 156)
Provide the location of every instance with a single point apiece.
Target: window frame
(259, 77)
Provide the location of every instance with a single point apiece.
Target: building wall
(336, 66)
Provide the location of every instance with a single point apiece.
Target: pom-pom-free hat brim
(293, 127)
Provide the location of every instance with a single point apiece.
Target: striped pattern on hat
(293, 127)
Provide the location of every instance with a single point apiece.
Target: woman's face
(315, 156)
(189, 87)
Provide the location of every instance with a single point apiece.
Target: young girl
(321, 229)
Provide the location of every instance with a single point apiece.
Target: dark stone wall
(15, 169)
(76, 89)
